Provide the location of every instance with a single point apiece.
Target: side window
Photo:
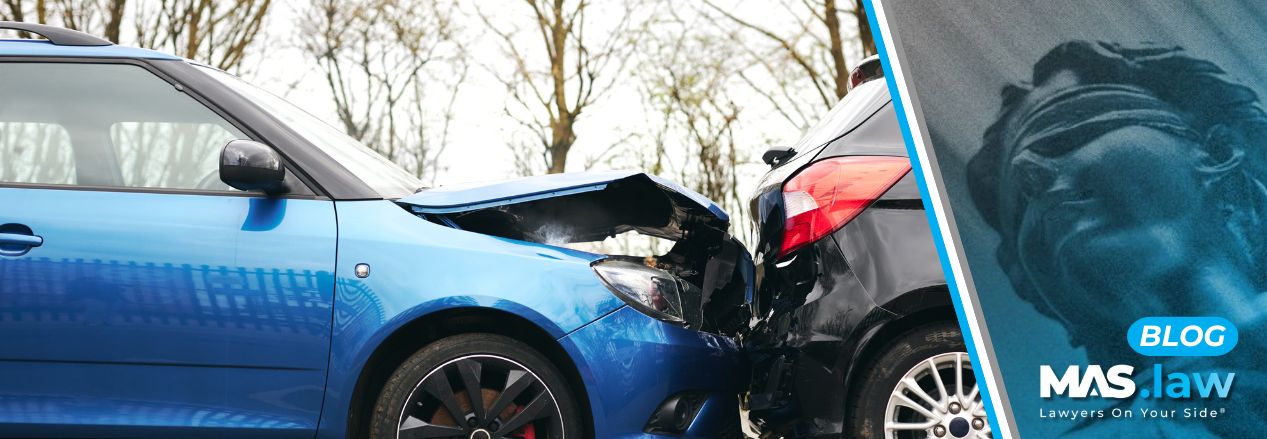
(170, 154)
(36, 153)
(113, 125)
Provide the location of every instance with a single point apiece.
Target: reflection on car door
(138, 295)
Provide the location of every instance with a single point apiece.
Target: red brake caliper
(528, 431)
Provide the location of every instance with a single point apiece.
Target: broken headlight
(652, 291)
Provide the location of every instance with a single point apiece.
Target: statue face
(1108, 219)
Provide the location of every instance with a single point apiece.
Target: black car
(855, 333)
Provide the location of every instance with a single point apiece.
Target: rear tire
(885, 396)
(522, 393)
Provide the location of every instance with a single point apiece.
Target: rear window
(860, 103)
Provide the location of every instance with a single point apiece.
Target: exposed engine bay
(712, 268)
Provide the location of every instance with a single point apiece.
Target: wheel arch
(418, 333)
(913, 309)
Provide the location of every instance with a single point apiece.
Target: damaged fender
(714, 269)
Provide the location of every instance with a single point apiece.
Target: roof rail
(57, 35)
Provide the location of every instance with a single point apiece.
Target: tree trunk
(840, 70)
(562, 134)
(864, 29)
(115, 20)
(15, 13)
(563, 137)
(194, 38)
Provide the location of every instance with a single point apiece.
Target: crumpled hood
(573, 207)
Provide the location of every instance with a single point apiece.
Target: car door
(139, 295)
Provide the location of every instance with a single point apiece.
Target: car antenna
(59, 36)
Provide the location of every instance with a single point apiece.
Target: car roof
(44, 48)
(856, 107)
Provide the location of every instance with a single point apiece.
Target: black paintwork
(252, 166)
(825, 309)
(777, 154)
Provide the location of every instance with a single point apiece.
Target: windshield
(379, 173)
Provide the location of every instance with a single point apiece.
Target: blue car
(184, 255)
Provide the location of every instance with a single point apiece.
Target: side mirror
(252, 166)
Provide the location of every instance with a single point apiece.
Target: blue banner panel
(1102, 172)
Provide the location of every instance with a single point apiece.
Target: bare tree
(215, 32)
(865, 38)
(96, 16)
(383, 61)
(813, 54)
(219, 33)
(13, 10)
(431, 39)
(341, 37)
(687, 77)
(550, 88)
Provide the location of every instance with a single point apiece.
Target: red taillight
(823, 197)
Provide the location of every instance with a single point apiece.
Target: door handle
(21, 240)
(17, 244)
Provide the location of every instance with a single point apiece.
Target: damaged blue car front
(249, 271)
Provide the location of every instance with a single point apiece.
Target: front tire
(921, 386)
(521, 394)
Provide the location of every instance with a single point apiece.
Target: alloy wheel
(938, 398)
(481, 397)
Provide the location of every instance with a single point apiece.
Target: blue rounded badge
(1182, 336)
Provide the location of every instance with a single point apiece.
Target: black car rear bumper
(829, 306)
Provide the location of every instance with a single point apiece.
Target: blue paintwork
(632, 362)
(183, 311)
(474, 196)
(419, 268)
(45, 48)
(234, 344)
(177, 315)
